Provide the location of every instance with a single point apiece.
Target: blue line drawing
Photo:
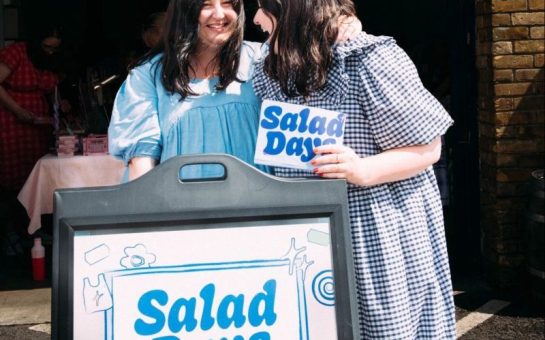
(323, 288)
(200, 267)
(105, 323)
(138, 261)
(292, 254)
(97, 254)
(303, 264)
(96, 298)
(302, 301)
(137, 257)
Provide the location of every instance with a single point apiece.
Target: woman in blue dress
(193, 92)
(392, 137)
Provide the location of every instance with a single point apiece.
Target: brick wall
(510, 61)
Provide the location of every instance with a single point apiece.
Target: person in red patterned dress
(26, 76)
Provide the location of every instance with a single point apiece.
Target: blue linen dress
(149, 121)
(402, 270)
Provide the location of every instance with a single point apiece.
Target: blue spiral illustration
(323, 288)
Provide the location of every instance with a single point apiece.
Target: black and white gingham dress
(402, 270)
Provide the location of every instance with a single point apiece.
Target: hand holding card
(288, 133)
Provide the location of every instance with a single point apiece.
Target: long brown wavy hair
(179, 43)
(301, 43)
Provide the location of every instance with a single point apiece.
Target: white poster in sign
(249, 281)
(288, 133)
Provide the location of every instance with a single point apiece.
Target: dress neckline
(201, 80)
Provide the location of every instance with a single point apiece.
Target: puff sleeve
(12, 55)
(400, 110)
(134, 129)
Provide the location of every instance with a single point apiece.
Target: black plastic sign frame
(246, 256)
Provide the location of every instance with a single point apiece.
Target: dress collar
(337, 84)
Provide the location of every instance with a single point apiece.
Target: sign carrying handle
(202, 172)
(234, 169)
(239, 179)
(161, 190)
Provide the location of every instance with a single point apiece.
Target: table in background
(52, 172)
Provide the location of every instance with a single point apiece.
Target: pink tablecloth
(52, 172)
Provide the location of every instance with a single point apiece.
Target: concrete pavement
(25, 314)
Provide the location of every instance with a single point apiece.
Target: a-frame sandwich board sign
(242, 256)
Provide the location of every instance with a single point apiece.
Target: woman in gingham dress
(392, 137)
(25, 128)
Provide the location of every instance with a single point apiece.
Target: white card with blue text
(260, 280)
(288, 133)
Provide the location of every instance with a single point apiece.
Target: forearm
(397, 164)
(8, 103)
(139, 166)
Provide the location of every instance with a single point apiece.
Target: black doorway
(439, 36)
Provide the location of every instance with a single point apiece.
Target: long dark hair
(35, 52)
(179, 42)
(301, 43)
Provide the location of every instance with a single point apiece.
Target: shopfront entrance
(439, 36)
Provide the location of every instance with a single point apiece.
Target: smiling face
(217, 23)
